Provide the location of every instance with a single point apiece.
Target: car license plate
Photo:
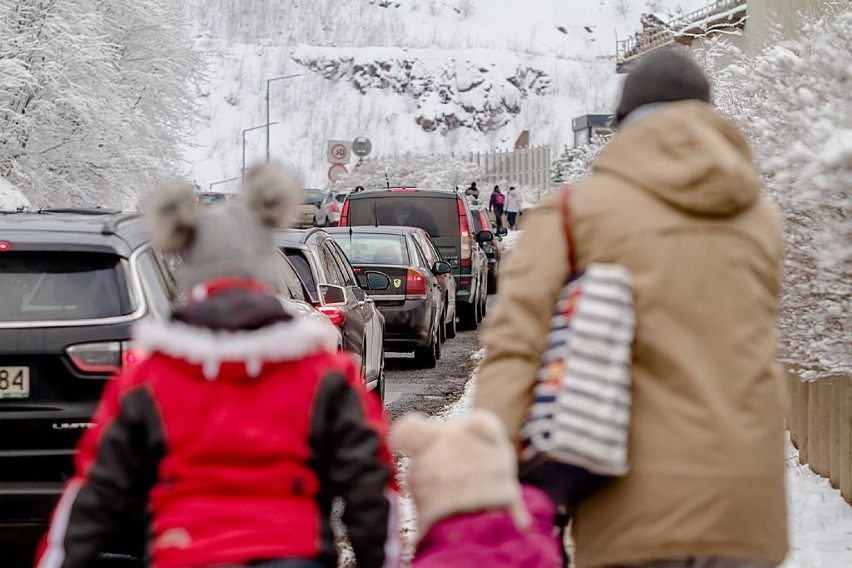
(14, 382)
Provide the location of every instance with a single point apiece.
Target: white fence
(527, 169)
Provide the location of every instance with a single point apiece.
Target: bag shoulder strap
(566, 224)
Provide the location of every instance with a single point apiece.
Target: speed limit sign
(339, 151)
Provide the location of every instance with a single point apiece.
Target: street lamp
(268, 82)
(222, 181)
(267, 125)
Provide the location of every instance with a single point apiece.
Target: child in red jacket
(242, 425)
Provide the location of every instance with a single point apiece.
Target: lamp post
(269, 82)
(222, 181)
(267, 125)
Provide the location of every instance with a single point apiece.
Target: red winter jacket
(238, 440)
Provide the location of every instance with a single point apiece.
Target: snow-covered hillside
(429, 76)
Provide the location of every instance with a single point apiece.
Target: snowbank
(11, 199)
(820, 520)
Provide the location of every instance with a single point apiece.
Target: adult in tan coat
(675, 198)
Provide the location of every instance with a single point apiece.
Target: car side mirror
(377, 281)
(331, 295)
(441, 267)
(485, 236)
(502, 232)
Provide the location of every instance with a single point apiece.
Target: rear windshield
(312, 198)
(54, 286)
(341, 197)
(438, 216)
(208, 198)
(373, 249)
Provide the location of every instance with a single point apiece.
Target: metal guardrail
(642, 42)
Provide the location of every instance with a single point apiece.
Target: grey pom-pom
(274, 194)
(172, 215)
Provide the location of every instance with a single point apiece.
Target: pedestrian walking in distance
(242, 424)
(497, 204)
(472, 191)
(471, 510)
(675, 199)
(513, 207)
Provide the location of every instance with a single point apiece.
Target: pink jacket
(491, 539)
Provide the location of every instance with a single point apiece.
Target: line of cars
(404, 269)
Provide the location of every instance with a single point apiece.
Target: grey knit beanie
(233, 239)
(664, 75)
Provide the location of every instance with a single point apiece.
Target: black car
(72, 284)
(446, 216)
(420, 304)
(494, 249)
(335, 291)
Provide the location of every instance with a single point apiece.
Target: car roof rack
(80, 210)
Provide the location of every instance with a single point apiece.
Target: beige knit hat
(459, 466)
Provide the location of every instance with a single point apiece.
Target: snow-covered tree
(93, 97)
(412, 170)
(793, 102)
(575, 163)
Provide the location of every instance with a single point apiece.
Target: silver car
(328, 214)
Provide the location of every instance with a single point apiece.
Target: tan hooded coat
(675, 198)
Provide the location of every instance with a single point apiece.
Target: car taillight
(104, 358)
(464, 231)
(344, 215)
(335, 208)
(4, 246)
(415, 285)
(335, 314)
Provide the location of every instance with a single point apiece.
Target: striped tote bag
(576, 433)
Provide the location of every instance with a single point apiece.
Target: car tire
(492, 283)
(468, 316)
(442, 326)
(451, 328)
(380, 384)
(427, 357)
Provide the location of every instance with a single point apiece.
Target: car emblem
(397, 282)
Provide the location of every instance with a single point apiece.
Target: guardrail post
(804, 423)
(845, 438)
(793, 405)
(835, 409)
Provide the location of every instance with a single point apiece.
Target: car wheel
(492, 283)
(468, 316)
(442, 327)
(380, 384)
(427, 357)
(451, 329)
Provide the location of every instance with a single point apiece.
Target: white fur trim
(287, 341)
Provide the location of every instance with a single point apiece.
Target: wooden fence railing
(820, 424)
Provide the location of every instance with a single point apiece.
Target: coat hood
(688, 156)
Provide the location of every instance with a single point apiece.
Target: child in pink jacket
(471, 510)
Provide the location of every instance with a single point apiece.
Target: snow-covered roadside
(820, 520)
(11, 199)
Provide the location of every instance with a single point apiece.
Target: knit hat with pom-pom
(232, 239)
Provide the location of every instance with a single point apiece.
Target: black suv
(447, 217)
(72, 284)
